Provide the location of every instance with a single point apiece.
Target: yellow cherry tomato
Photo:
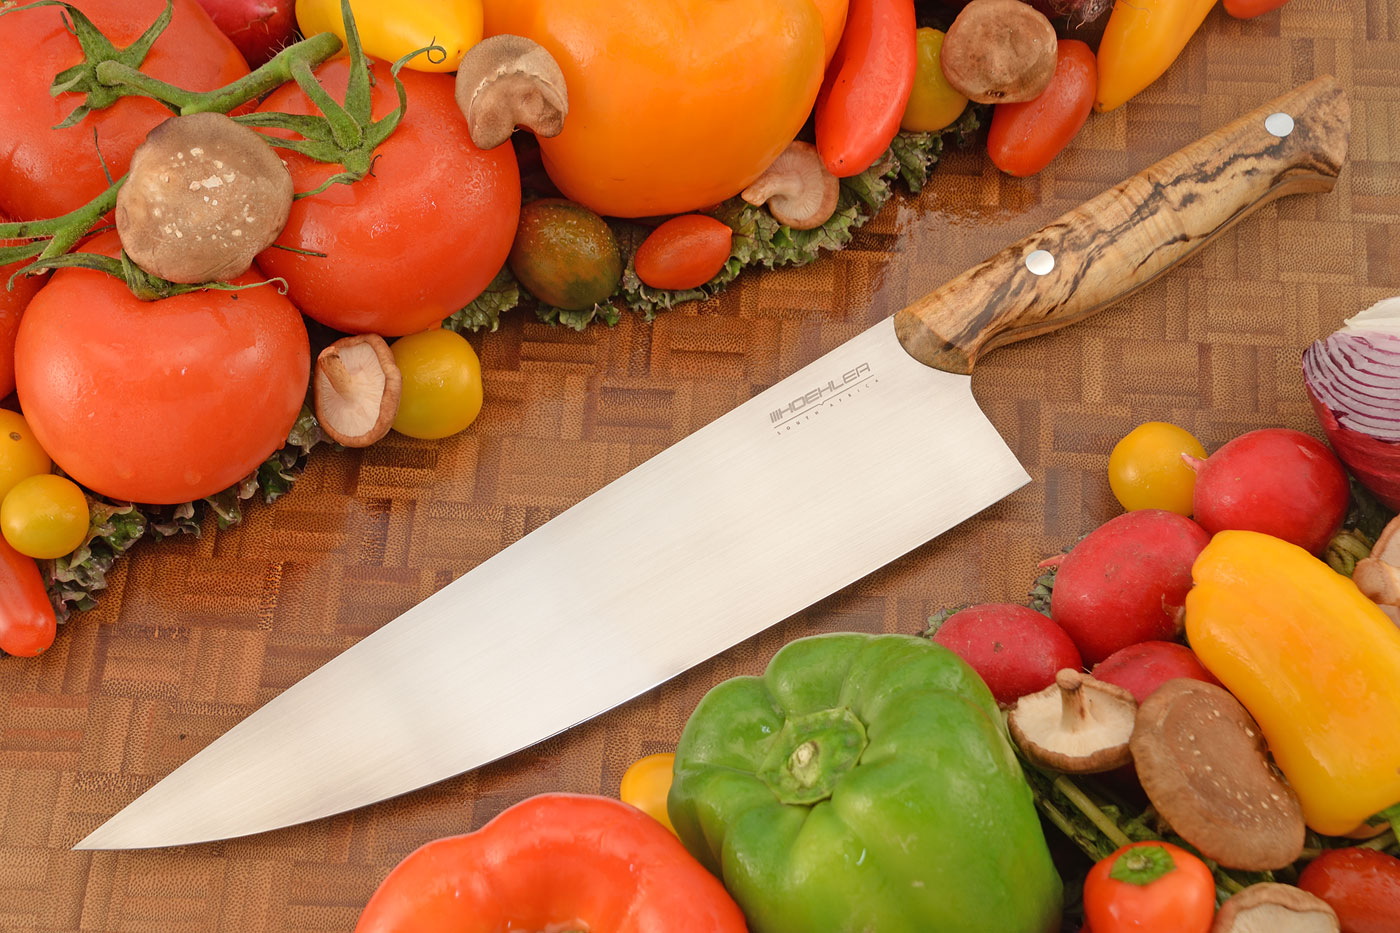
(934, 103)
(45, 516)
(20, 453)
(646, 784)
(441, 384)
(390, 29)
(1146, 471)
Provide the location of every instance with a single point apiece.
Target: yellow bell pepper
(390, 29)
(1314, 661)
(1140, 42)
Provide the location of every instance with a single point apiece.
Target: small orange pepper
(1140, 42)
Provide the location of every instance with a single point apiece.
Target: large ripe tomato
(12, 304)
(674, 105)
(159, 401)
(418, 239)
(46, 172)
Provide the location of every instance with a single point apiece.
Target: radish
(1126, 582)
(1275, 481)
(260, 28)
(1013, 649)
(1142, 668)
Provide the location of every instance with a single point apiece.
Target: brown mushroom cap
(1378, 576)
(1077, 724)
(1202, 761)
(999, 51)
(357, 387)
(798, 189)
(1275, 908)
(508, 81)
(203, 197)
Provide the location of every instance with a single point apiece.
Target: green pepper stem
(272, 74)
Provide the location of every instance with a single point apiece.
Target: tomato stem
(273, 74)
(61, 233)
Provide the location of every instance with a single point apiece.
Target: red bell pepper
(554, 862)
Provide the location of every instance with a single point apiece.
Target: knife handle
(1111, 246)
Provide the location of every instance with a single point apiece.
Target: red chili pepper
(1248, 9)
(27, 623)
(1025, 137)
(867, 85)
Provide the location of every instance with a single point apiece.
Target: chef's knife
(843, 466)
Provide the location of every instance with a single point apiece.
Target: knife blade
(843, 466)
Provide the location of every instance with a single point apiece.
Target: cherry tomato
(646, 784)
(390, 30)
(441, 384)
(684, 252)
(12, 305)
(1361, 885)
(416, 240)
(1150, 887)
(1146, 471)
(45, 516)
(21, 455)
(1248, 9)
(27, 621)
(45, 172)
(159, 401)
(934, 103)
(1025, 137)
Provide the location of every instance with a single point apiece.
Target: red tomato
(867, 85)
(684, 252)
(46, 172)
(1150, 887)
(1025, 137)
(27, 622)
(1361, 885)
(1248, 9)
(12, 303)
(159, 401)
(418, 239)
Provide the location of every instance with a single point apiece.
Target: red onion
(260, 28)
(1353, 380)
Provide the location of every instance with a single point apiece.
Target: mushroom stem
(1074, 708)
(336, 372)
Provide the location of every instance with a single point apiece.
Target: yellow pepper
(1314, 661)
(1141, 40)
(390, 29)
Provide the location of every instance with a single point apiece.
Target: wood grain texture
(1122, 240)
(196, 634)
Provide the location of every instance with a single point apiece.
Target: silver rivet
(1040, 262)
(1278, 124)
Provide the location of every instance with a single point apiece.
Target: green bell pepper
(864, 783)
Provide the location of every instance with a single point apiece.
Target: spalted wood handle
(1113, 245)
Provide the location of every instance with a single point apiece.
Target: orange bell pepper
(1140, 42)
(1314, 661)
(554, 862)
(674, 105)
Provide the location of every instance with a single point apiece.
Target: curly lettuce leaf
(114, 528)
(484, 312)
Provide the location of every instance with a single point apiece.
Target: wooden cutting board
(196, 634)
